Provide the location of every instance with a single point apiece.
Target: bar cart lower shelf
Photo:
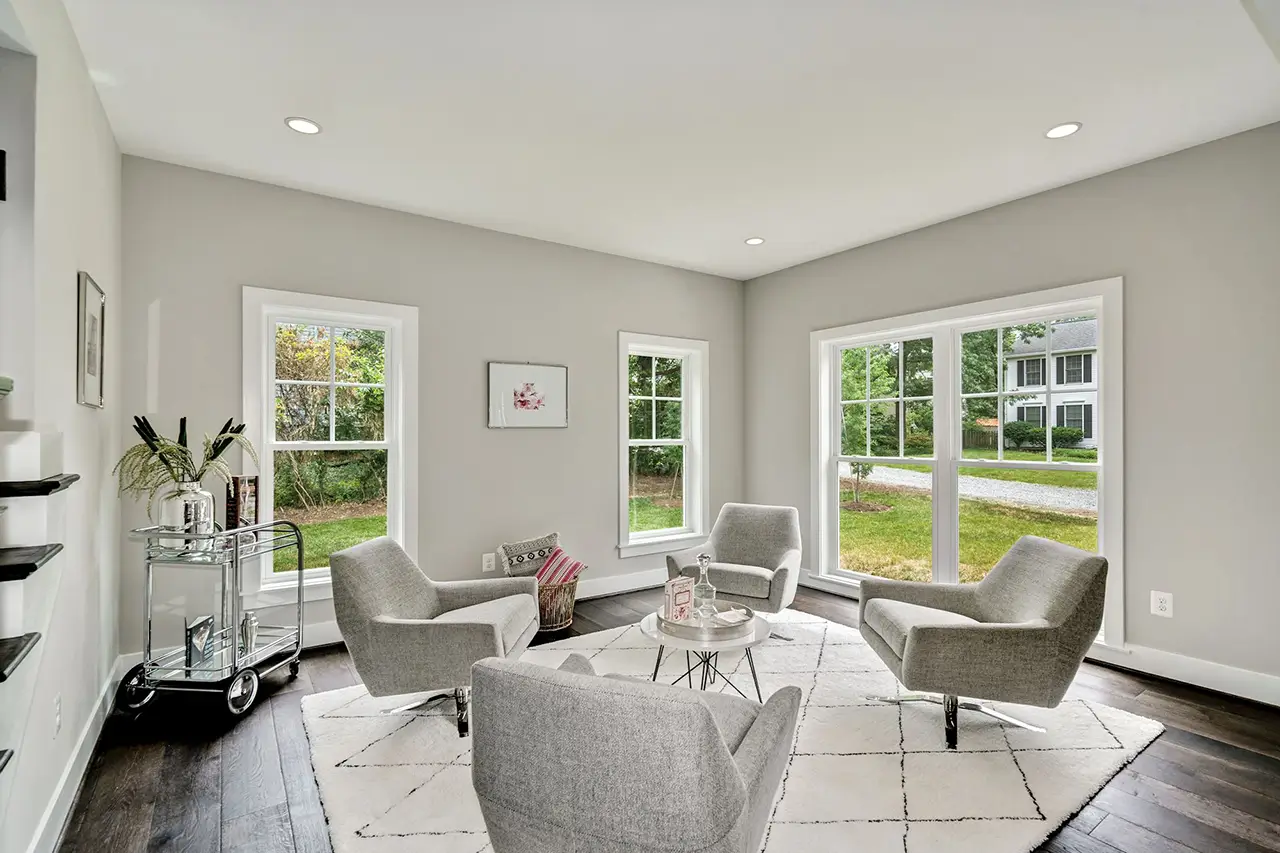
(231, 668)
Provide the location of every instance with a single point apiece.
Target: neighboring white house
(1068, 370)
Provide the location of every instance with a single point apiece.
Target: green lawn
(1076, 479)
(646, 515)
(321, 539)
(894, 544)
(899, 543)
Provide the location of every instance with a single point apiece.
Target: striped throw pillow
(560, 568)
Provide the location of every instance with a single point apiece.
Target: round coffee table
(706, 652)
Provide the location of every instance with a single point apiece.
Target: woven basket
(555, 605)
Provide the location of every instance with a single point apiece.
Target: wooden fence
(980, 437)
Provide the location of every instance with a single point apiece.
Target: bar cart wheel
(242, 691)
(293, 670)
(133, 694)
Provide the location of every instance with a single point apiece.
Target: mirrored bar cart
(226, 653)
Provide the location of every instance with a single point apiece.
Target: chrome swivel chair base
(461, 695)
(951, 707)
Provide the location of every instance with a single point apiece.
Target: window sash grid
(929, 461)
(390, 443)
(320, 383)
(1075, 302)
(1002, 376)
(333, 392)
(1027, 465)
(329, 445)
(890, 400)
(653, 389)
(956, 463)
(692, 437)
(988, 395)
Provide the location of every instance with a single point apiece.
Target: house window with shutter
(1076, 416)
(1075, 369)
(1030, 372)
(1032, 415)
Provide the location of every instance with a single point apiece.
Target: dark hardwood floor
(185, 781)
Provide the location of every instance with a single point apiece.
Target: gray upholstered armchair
(566, 760)
(409, 634)
(755, 556)
(1017, 636)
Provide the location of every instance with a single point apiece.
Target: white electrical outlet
(488, 562)
(57, 714)
(1162, 604)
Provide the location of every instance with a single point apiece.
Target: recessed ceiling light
(754, 241)
(1063, 130)
(302, 125)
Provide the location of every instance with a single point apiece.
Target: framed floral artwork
(528, 396)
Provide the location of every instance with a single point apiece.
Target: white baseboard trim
(615, 584)
(54, 820)
(1231, 680)
(321, 634)
(1258, 686)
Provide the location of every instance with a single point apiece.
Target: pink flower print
(528, 399)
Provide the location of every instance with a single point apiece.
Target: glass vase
(704, 594)
(187, 509)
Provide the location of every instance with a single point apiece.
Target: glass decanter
(704, 594)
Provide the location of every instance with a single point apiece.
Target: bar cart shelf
(227, 667)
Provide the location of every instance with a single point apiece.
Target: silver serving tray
(708, 630)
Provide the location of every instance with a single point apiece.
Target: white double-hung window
(938, 442)
(662, 415)
(330, 391)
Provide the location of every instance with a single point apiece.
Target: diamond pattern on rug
(863, 775)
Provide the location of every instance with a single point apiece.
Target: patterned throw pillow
(521, 559)
(560, 568)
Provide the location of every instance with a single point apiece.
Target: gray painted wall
(1196, 236)
(192, 239)
(65, 217)
(17, 233)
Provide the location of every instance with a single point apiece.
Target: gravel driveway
(1025, 494)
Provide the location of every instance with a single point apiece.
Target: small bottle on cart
(704, 594)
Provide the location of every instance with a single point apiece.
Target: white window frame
(1102, 298)
(262, 310)
(695, 389)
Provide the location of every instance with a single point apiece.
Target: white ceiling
(670, 130)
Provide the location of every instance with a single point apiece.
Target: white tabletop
(649, 627)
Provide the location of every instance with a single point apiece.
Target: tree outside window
(329, 448)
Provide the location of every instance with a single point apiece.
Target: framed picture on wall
(89, 342)
(528, 396)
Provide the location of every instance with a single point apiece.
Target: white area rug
(863, 776)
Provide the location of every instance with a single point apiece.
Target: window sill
(286, 594)
(836, 584)
(664, 545)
